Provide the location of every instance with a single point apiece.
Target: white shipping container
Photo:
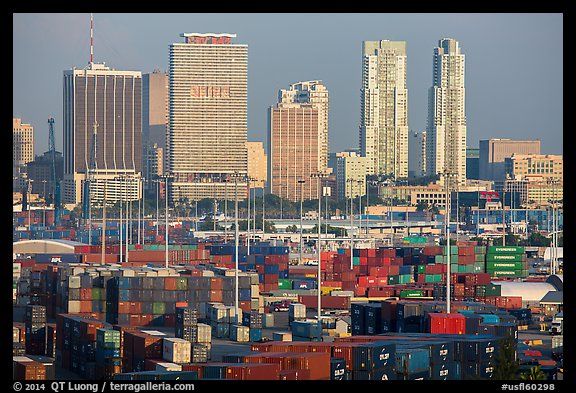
(176, 350)
(16, 267)
(342, 293)
(219, 314)
(74, 306)
(204, 333)
(254, 291)
(281, 336)
(268, 320)
(297, 310)
(168, 367)
(254, 278)
(74, 282)
(240, 333)
(15, 334)
(207, 273)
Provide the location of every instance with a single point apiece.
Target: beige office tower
(384, 108)
(315, 93)
(494, 152)
(257, 164)
(351, 175)
(154, 122)
(22, 149)
(446, 131)
(107, 102)
(293, 145)
(207, 115)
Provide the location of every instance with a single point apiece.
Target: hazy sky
(514, 81)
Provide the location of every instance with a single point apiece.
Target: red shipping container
(294, 375)
(348, 276)
(170, 283)
(245, 305)
(348, 285)
(215, 296)
(359, 291)
(394, 270)
(465, 250)
(363, 270)
(483, 278)
(326, 302)
(86, 294)
(250, 371)
(198, 368)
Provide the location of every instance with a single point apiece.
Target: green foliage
(535, 374)
(506, 367)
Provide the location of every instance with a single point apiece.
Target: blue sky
(514, 64)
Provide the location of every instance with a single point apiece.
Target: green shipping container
(439, 259)
(181, 283)
(505, 250)
(453, 250)
(284, 283)
(429, 278)
(479, 250)
(469, 268)
(479, 257)
(453, 268)
(356, 261)
(462, 268)
(505, 257)
(505, 265)
(405, 278)
(97, 293)
(422, 269)
(478, 268)
(405, 293)
(415, 239)
(437, 277)
(505, 273)
(493, 290)
(158, 308)
(392, 280)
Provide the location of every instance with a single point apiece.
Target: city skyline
(502, 101)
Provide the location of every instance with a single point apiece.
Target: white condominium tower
(315, 93)
(207, 116)
(446, 131)
(384, 108)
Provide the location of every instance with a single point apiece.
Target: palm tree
(535, 374)
(506, 366)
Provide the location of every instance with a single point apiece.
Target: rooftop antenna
(91, 39)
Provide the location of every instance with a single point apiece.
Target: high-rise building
(493, 153)
(155, 164)
(384, 108)
(472, 163)
(107, 102)
(257, 164)
(207, 115)
(417, 154)
(315, 93)
(296, 131)
(351, 171)
(154, 121)
(446, 130)
(40, 172)
(547, 166)
(22, 148)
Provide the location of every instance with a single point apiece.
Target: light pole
(319, 176)
(263, 213)
(157, 181)
(301, 182)
(29, 189)
(44, 205)
(167, 225)
(504, 214)
(226, 210)
(236, 176)
(360, 183)
(351, 235)
(447, 178)
(121, 208)
(143, 208)
(139, 212)
(248, 220)
(326, 214)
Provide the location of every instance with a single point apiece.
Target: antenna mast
(91, 39)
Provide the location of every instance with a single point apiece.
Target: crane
(55, 185)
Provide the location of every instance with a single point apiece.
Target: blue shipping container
(308, 329)
(58, 258)
(412, 360)
(255, 334)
